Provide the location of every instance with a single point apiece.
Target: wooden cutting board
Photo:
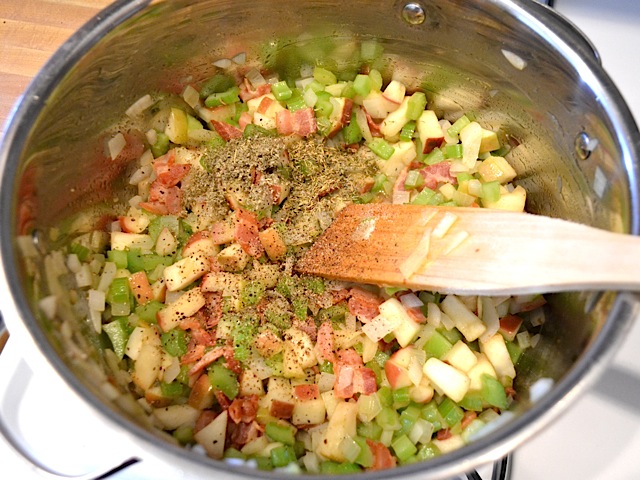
(30, 32)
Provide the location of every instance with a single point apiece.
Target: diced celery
(427, 451)
(326, 367)
(416, 105)
(119, 297)
(403, 448)
(314, 285)
(352, 133)
(366, 197)
(118, 331)
(381, 184)
(193, 123)
(324, 76)
(224, 380)
(450, 411)
(472, 401)
(335, 314)
(300, 307)
(296, 101)
(453, 151)
(148, 262)
(452, 335)
(437, 345)
(282, 456)
(401, 397)
(263, 463)
(427, 197)
(463, 177)
(280, 432)
(234, 453)
(232, 95)
(408, 418)
(335, 468)
(370, 430)
(362, 84)
(323, 106)
(431, 414)
(458, 125)
(434, 156)
(253, 130)
(80, 250)
(173, 389)
(161, 146)
(406, 134)
(388, 419)
(493, 392)
(491, 191)
(381, 147)
(252, 293)
(119, 257)
(174, 342)
(184, 434)
(385, 396)
(281, 91)
(514, 351)
(171, 222)
(149, 311)
(414, 180)
(376, 79)
(286, 286)
(216, 84)
(365, 457)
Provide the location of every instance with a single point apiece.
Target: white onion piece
(152, 136)
(139, 106)
(255, 77)
(444, 225)
(49, 305)
(361, 120)
(514, 59)
(540, 388)
(223, 63)
(411, 300)
(141, 174)
(400, 197)
(191, 96)
(240, 58)
(116, 144)
(418, 257)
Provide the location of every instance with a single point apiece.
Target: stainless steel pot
(517, 65)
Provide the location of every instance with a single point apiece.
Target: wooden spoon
(471, 251)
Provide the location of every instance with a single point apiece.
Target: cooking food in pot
(201, 314)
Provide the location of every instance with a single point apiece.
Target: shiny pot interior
(575, 150)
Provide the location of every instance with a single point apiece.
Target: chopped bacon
(194, 353)
(306, 392)
(416, 314)
(304, 122)
(280, 409)
(349, 356)
(247, 92)
(226, 131)
(437, 173)
(244, 120)
(244, 409)
(382, 457)
(264, 105)
(222, 399)
(242, 433)
(444, 434)
(343, 384)
(373, 126)
(171, 175)
(246, 233)
(214, 304)
(338, 296)
(140, 287)
(284, 122)
(468, 417)
(325, 343)
(207, 359)
(352, 376)
(364, 381)
(203, 337)
(163, 200)
(364, 304)
(308, 327)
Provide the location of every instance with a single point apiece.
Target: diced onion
(514, 59)
(152, 136)
(141, 174)
(116, 144)
(411, 300)
(240, 58)
(49, 305)
(400, 197)
(73, 262)
(83, 276)
(418, 257)
(255, 77)
(444, 225)
(139, 106)
(191, 96)
(310, 97)
(223, 63)
(455, 241)
(97, 300)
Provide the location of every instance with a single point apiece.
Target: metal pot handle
(16, 378)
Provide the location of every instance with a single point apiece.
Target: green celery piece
(434, 156)
(149, 311)
(224, 380)
(244, 333)
(323, 106)
(118, 331)
(388, 418)
(376, 79)
(173, 389)
(156, 225)
(437, 345)
(493, 392)
(408, 418)
(453, 151)
(401, 397)
(491, 191)
(119, 296)
(148, 262)
(348, 90)
(296, 101)
(286, 286)
(314, 285)
(174, 342)
(365, 457)
(450, 411)
(282, 433)
(370, 430)
(253, 130)
(161, 145)
(216, 141)
(407, 132)
(119, 257)
(193, 123)
(381, 184)
(300, 307)
(414, 180)
(416, 105)
(324, 76)
(263, 463)
(363, 198)
(334, 468)
(514, 351)
(381, 147)
(458, 125)
(362, 85)
(472, 401)
(403, 448)
(427, 451)
(232, 95)
(352, 133)
(385, 396)
(452, 335)
(463, 177)
(216, 84)
(427, 197)
(326, 367)
(282, 456)
(335, 314)
(234, 453)
(184, 435)
(80, 250)
(432, 415)
(281, 91)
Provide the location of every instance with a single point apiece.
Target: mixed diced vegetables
(192, 289)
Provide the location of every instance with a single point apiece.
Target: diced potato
(187, 305)
(513, 201)
(461, 357)
(489, 142)
(175, 416)
(465, 320)
(250, 383)
(273, 244)
(212, 437)
(298, 353)
(446, 378)
(309, 412)
(186, 271)
(148, 365)
(128, 241)
(496, 351)
(496, 168)
(342, 424)
(233, 258)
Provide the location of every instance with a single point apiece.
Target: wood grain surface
(30, 32)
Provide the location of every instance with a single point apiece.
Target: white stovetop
(599, 437)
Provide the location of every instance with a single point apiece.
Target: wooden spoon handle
(502, 253)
